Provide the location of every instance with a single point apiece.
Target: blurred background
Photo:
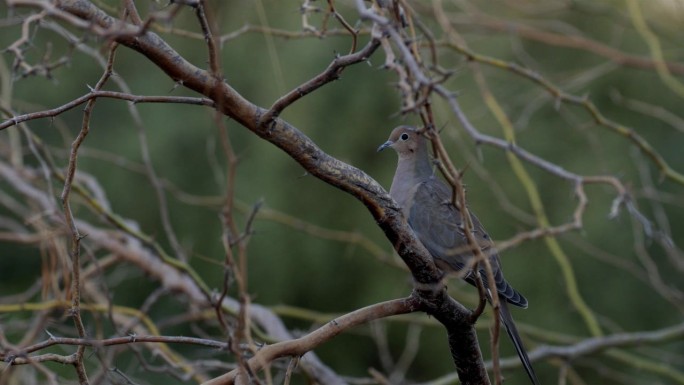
(315, 251)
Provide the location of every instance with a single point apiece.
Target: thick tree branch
(456, 318)
(280, 133)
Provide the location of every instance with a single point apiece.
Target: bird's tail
(512, 331)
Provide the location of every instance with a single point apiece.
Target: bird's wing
(439, 226)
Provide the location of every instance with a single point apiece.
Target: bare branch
(299, 346)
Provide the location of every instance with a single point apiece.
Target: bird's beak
(383, 146)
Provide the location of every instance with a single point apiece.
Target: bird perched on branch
(426, 201)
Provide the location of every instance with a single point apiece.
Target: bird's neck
(412, 169)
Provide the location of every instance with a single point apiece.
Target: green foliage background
(349, 119)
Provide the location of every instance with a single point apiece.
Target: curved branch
(94, 94)
(297, 347)
(599, 344)
(430, 289)
(280, 133)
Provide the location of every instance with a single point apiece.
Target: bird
(426, 202)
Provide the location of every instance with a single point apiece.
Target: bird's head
(404, 140)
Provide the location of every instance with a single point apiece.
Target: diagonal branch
(297, 347)
(429, 286)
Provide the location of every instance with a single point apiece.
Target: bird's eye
(404, 136)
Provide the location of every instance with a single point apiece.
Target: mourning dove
(426, 202)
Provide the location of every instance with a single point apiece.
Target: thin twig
(68, 214)
(94, 94)
(328, 75)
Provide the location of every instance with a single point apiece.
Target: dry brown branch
(75, 249)
(105, 248)
(94, 94)
(331, 73)
(19, 358)
(299, 346)
(317, 163)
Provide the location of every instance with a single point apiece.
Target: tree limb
(429, 286)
